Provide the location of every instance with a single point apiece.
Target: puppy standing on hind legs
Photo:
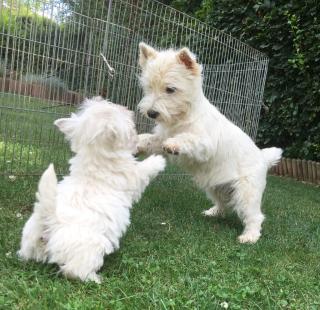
(223, 160)
(79, 220)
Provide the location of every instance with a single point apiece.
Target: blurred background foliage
(289, 33)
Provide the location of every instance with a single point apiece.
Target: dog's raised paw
(159, 162)
(170, 147)
(144, 143)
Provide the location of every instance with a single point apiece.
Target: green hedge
(289, 33)
(24, 34)
(34, 45)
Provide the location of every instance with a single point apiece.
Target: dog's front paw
(144, 142)
(170, 146)
(159, 162)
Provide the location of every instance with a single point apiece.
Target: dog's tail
(46, 195)
(271, 156)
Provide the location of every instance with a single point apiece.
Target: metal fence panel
(50, 59)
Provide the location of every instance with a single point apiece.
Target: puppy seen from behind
(77, 221)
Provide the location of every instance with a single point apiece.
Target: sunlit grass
(171, 257)
(174, 258)
(28, 139)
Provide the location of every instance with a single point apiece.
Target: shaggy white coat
(223, 160)
(77, 221)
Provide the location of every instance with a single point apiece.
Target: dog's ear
(66, 125)
(188, 59)
(146, 52)
(119, 129)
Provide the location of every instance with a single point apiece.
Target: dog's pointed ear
(66, 125)
(146, 52)
(188, 59)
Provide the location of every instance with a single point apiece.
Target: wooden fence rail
(38, 90)
(299, 169)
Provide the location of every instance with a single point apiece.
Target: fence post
(318, 173)
(310, 171)
(102, 76)
(276, 169)
(314, 172)
(286, 166)
(304, 170)
(280, 169)
(294, 168)
(88, 59)
(299, 169)
(289, 165)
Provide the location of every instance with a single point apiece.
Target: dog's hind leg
(79, 252)
(213, 211)
(222, 196)
(84, 267)
(248, 207)
(252, 219)
(32, 243)
(218, 207)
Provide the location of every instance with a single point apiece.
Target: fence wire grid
(50, 60)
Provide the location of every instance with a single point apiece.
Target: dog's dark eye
(170, 90)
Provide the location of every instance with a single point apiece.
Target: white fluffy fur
(79, 220)
(223, 160)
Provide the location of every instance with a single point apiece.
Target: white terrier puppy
(77, 221)
(223, 160)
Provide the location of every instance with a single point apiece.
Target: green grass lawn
(171, 257)
(28, 139)
(174, 258)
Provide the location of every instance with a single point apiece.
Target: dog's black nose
(153, 114)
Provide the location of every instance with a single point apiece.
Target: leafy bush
(289, 33)
(36, 35)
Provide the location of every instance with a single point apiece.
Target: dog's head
(171, 81)
(100, 125)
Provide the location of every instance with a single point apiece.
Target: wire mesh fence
(50, 59)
